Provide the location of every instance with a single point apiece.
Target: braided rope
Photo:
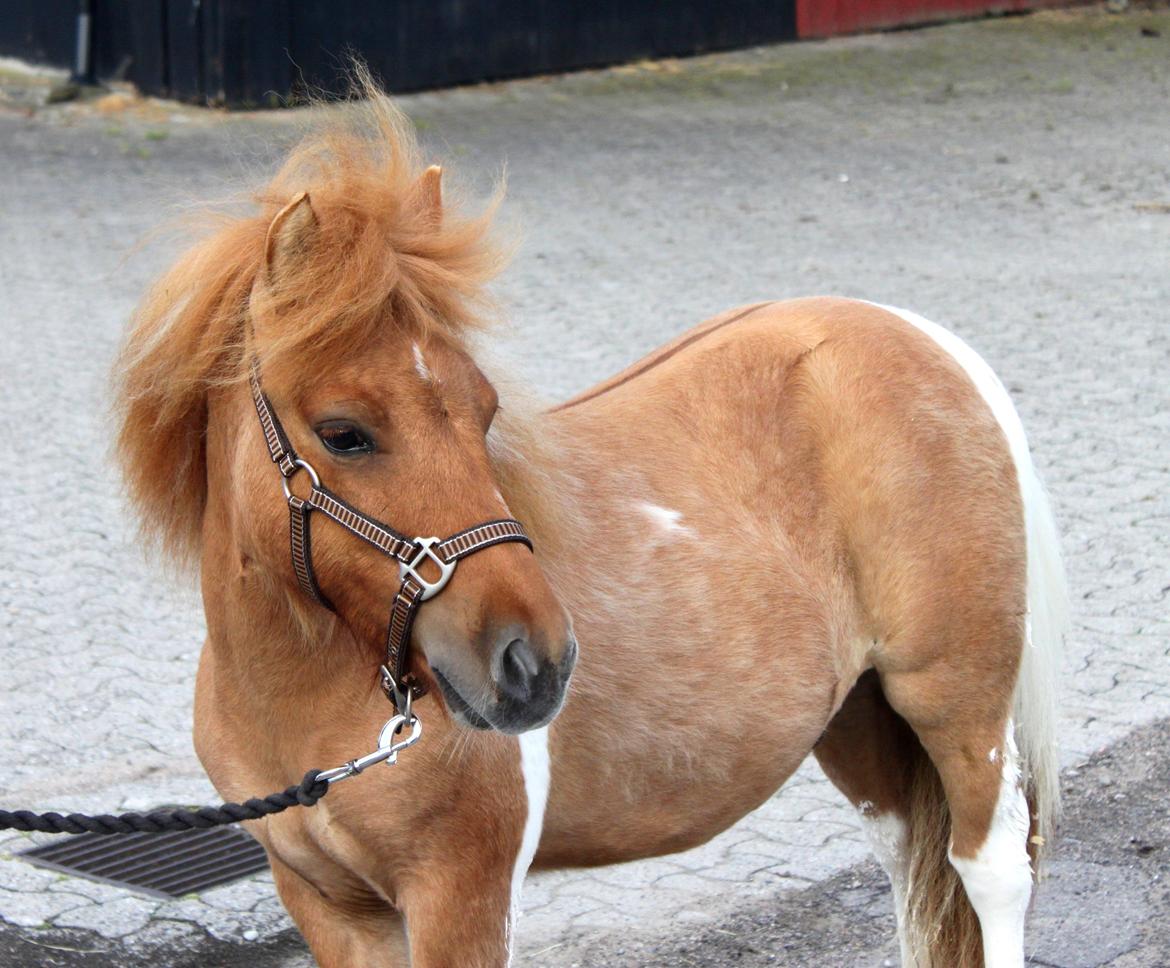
(304, 794)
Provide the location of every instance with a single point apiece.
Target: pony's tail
(1047, 622)
(938, 925)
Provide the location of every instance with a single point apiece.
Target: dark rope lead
(304, 794)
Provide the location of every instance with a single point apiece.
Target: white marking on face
(534, 765)
(667, 519)
(420, 364)
(888, 839)
(992, 754)
(998, 879)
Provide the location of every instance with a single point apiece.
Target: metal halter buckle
(426, 550)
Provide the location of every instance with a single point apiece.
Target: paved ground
(1008, 178)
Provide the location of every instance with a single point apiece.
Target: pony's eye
(344, 437)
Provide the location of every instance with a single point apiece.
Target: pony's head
(354, 287)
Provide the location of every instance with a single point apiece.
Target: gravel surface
(1008, 178)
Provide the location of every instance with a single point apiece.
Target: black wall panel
(43, 32)
(257, 52)
(129, 42)
(415, 44)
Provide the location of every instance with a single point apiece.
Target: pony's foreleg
(366, 931)
(459, 914)
(461, 908)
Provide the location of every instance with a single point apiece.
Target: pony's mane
(381, 255)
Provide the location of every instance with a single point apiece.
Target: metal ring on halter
(299, 464)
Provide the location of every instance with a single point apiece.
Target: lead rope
(307, 793)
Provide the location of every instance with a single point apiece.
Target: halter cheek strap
(411, 554)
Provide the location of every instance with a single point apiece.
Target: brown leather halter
(399, 685)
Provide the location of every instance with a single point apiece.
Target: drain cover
(161, 865)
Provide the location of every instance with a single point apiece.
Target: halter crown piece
(411, 554)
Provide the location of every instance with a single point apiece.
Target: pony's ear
(289, 236)
(430, 191)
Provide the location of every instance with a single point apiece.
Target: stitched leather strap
(371, 530)
(402, 614)
(279, 448)
(482, 536)
(300, 537)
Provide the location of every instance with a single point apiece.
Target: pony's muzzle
(520, 671)
(529, 683)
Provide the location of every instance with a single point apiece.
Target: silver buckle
(446, 568)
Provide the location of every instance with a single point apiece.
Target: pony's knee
(998, 877)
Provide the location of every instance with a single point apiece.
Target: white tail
(1048, 617)
(1047, 621)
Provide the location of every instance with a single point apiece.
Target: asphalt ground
(1007, 178)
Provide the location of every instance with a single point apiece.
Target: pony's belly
(620, 806)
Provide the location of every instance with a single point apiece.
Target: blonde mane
(383, 255)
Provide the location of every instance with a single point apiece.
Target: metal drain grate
(162, 865)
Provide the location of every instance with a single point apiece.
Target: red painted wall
(824, 18)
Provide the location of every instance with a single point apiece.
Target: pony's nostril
(519, 668)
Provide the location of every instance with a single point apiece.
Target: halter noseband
(397, 683)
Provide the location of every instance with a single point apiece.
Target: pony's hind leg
(961, 717)
(870, 755)
(997, 872)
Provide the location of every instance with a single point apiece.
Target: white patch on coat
(534, 764)
(667, 519)
(998, 879)
(888, 839)
(992, 754)
(420, 364)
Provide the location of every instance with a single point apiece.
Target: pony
(808, 526)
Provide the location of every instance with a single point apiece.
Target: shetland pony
(802, 526)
